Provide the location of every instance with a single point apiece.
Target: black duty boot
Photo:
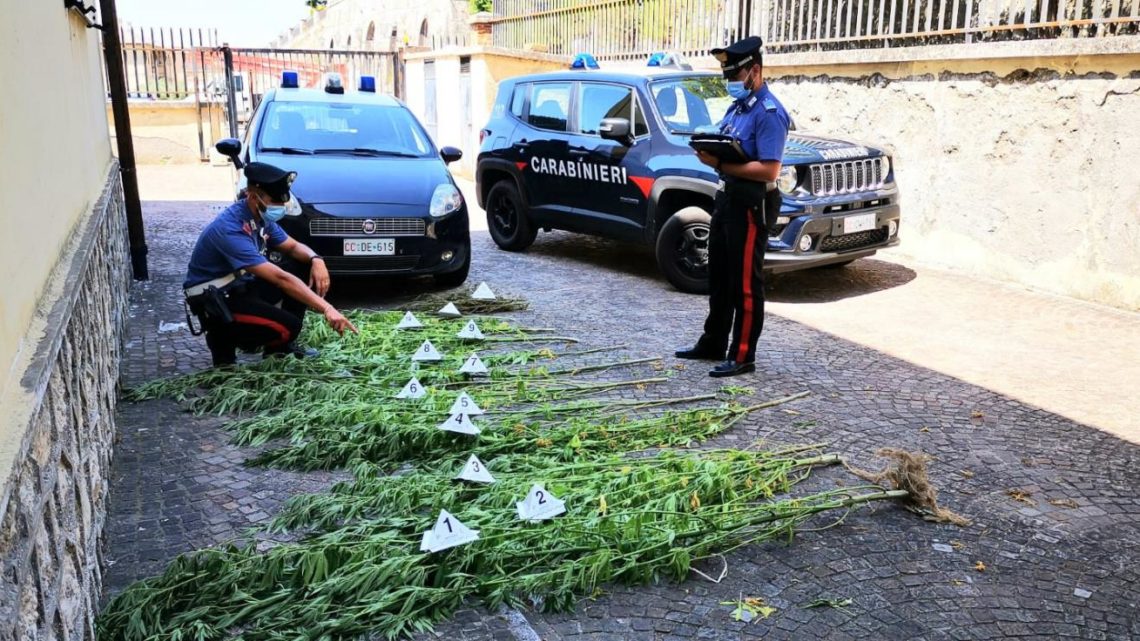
(700, 352)
(732, 368)
(291, 348)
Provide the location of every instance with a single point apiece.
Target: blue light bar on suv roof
(289, 80)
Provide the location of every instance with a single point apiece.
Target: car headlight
(788, 179)
(886, 167)
(445, 200)
(292, 206)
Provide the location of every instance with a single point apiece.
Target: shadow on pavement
(829, 284)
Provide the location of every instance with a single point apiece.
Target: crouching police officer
(747, 204)
(240, 298)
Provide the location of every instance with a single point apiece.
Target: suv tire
(507, 219)
(683, 249)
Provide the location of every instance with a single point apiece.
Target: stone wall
(53, 497)
(1016, 168)
(380, 25)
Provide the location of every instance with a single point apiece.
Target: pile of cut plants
(490, 463)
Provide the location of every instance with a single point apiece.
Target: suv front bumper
(829, 244)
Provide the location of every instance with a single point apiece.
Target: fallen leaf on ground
(967, 474)
(1069, 503)
(1021, 496)
(980, 567)
(977, 414)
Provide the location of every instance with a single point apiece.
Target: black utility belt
(207, 301)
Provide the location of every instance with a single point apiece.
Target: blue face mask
(737, 90)
(273, 213)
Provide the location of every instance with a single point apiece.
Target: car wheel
(457, 277)
(683, 250)
(507, 219)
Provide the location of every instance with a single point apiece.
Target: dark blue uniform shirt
(760, 123)
(233, 241)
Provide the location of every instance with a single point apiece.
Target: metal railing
(799, 25)
(616, 29)
(161, 64)
(631, 29)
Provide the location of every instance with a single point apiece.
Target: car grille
(371, 263)
(853, 241)
(385, 227)
(829, 179)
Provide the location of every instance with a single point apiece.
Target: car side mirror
(616, 129)
(450, 154)
(230, 148)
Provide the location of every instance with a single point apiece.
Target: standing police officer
(241, 299)
(747, 200)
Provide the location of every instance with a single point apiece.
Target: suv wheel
(683, 250)
(507, 219)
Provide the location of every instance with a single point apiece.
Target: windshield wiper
(288, 150)
(365, 151)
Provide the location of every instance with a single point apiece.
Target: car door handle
(522, 144)
(580, 152)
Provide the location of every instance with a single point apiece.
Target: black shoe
(700, 353)
(732, 368)
(293, 349)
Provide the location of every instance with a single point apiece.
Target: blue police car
(605, 153)
(373, 195)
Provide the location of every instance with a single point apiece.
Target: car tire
(507, 218)
(457, 277)
(682, 250)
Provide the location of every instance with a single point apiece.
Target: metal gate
(242, 76)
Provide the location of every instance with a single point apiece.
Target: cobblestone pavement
(1061, 562)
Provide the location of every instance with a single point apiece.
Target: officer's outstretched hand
(337, 321)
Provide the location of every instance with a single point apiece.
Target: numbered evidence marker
(409, 321)
(540, 505)
(475, 471)
(482, 292)
(464, 404)
(449, 311)
(470, 331)
(460, 423)
(474, 366)
(413, 390)
(447, 533)
(427, 352)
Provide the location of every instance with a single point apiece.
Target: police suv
(372, 195)
(606, 153)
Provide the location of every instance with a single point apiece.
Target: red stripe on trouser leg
(281, 330)
(746, 325)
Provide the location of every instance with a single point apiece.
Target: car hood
(810, 148)
(326, 179)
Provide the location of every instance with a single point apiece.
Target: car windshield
(335, 128)
(691, 105)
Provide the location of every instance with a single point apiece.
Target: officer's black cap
(274, 180)
(738, 55)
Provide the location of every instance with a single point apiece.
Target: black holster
(211, 309)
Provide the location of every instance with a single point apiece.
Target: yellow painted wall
(55, 153)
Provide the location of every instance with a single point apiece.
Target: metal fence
(630, 29)
(162, 64)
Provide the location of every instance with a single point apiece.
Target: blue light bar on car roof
(368, 83)
(584, 61)
(289, 80)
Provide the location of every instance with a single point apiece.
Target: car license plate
(862, 222)
(369, 246)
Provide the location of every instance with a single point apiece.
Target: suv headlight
(445, 200)
(886, 168)
(788, 179)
